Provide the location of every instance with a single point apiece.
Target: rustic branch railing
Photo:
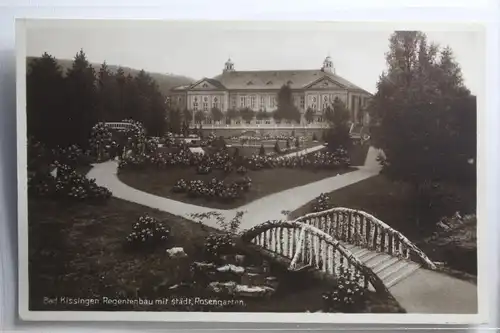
(304, 245)
(362, 229)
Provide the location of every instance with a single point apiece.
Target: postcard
(249, 171)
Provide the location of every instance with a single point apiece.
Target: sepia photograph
(313, 168)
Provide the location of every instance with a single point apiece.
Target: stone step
(380, 266)
(402, 274)
(392, 269)
(367, 256)
(377, 260)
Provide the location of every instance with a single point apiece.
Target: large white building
(311, 89)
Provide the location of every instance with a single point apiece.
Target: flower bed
(214, 189)
(67, 184)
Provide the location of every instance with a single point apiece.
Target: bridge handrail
(367, 273)
(372, 219)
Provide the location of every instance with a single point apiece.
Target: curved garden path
(266, 208)
(425, 291)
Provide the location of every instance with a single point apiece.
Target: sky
(199, 49)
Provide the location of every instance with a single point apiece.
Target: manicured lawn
(77, 251)
(358, 154)
(264, 182)
(392, 202)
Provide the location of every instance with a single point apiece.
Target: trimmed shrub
(348, 294)
(147, 234)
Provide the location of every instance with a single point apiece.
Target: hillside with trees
(165, 81)
(65, 99)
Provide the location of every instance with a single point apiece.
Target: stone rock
(231, 268)
(222, 287)
(239, 259)
(53, 173)
(253, 291)
(272, 281)
(176, 252)
(253, 279)
(203, 265)
(229, 258)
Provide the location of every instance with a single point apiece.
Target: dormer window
(269, 83)
(325, 83)
(205, 85)
(249, 83)
(289, 82)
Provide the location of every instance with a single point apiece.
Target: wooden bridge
(324, 242)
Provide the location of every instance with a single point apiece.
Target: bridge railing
(300, 245)
(362, 229)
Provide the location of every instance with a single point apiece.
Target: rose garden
(86, 241)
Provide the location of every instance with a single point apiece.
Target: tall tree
(286, 108)
(338, 118)
(421, 108)
(217, 114)
(80, 101)
(108, 98)
(46, 119)
(309, 115)
(174, 121)
(247, 114)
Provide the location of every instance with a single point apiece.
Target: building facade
(313, 89)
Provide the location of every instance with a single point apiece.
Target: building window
(205, 103)
(257, 122)
(215, 103)
(320, 119)
(272, 100)
(268, 122)
(302, 102)
(252, 102)
(242, 101)
(262, 102)
(195, 104)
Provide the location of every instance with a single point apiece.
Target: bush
(262, 151)
(348, 295)
(203, 169)
(321, 203)
(67, 184)
(218, 245)
(277, 148)
(147, 234)
(241, 170)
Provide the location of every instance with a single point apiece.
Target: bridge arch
(301, 245)
(365, 230)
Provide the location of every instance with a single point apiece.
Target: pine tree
(80, 101)
(46, 115)
(286, 109)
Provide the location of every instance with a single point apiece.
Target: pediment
(205, 85)
(325, 83)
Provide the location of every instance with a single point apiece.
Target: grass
(264, 182)
(357, 154)
(393, 203)
(76, 251)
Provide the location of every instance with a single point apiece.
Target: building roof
(297, 79)
(264, 80)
